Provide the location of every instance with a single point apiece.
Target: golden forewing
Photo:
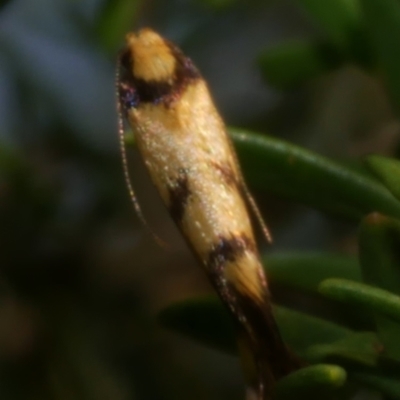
(192, 163)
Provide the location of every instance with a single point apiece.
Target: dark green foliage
(367, 33)
(77, 290)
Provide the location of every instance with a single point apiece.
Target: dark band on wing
(268, 342)
(255, 318)
(179, 193)
(153, 91)
(228, 249)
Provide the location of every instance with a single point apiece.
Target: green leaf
(281, 168)
(388, 171)
(383, 23)
(338, 19)
(389, 333)
(301, 331)
(292, 63)
(361, 348)
(206, 320)
(379, 243)
(305, 271)
(387, 385)
(311, 382)
(359, 294)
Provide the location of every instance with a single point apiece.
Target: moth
(191, 161)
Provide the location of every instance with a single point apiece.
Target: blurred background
(81, 281)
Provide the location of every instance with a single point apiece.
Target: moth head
(152, 70)
(151, 58)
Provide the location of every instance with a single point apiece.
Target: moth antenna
(250, 199)
(257, 213)
(125, 168)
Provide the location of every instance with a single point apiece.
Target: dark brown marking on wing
(268, 344)
(228, 249)
(179, 193)
(257, 327)
(227, 173)
(156, 92)
(253, 314)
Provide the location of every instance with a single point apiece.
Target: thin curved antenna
(257, 213)
(124, 160)
(250, 199)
